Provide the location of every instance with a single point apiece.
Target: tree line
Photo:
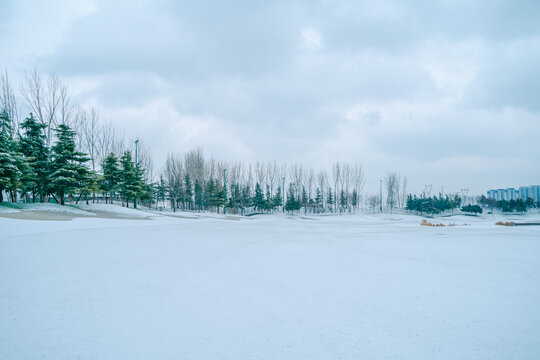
(35, 171)
(66, 152)
(193, 182)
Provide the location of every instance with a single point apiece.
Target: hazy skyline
(446, 94)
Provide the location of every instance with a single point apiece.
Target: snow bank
(52, 208)
(116, 210)
(8, 210)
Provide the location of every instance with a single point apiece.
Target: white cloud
(311, 38)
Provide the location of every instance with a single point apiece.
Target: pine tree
(199, 202)
(330, 198)
(269, 203)
(258, 198)
(305, 200)
(342, 200)
(111, 176)
(188, 188)
(68, 172)
(209, 193)
(354, 199)
(130, 185)
(318, 199)
(92, 185)
(36, 166)
(245, 198)
(161, 191)
(292, 204)
(9, 159)
(277, 200)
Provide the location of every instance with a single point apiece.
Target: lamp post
(283, 195)
(224, 190)
(380, 199)
(136, 167)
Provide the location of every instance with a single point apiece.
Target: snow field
(334, 287)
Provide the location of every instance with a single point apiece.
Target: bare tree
(310, 181)
(195, 165)
(43, 99)
(392, 181)
(296, 172)
(272, 175)
(373, 202)
(8, 103)
(322, 181)
(404, 192)
(66, 108)
(91, 129)
(336, 173)
(174, 176)
(358, 180)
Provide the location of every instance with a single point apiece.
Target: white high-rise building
(535, 193)
(523, 193)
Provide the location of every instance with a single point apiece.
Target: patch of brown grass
(507, 223)
(427, 223)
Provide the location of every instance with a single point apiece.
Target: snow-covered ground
(269, 287)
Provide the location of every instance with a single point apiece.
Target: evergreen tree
(258, 198)
(236, 197)
(91, 185)
(130, 184)
(209, 193)
(330, 198)
(111, 176)
(188, 189)
(269, 203)
(9, 160)
(68, 172)
(198, 195)
(354, 199)
(277, 200)
(304, 200)
(292, 204)
(318, 199)
(35, 169)
(342, 200)
(245, 198)
(161, 191)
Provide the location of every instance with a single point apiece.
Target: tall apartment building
(523, 193)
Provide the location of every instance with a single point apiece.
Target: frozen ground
(349, 287)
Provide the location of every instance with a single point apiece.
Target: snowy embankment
(269, 287)
(49, 211)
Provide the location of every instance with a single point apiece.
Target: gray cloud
(428, 89)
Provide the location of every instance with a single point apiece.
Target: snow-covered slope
(350, 287)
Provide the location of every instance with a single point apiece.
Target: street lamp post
(283, 195)
(380, 199)
(136, 167)
(224, 190)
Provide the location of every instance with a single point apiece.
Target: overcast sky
(446, 94)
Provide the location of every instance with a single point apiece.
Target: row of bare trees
(319, 191)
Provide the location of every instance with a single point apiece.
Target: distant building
(511, 194)
(523, 193)
(535, 193)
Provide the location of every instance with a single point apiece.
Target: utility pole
(136, 167)
(380, 182)
(224, 190)
(283, 195)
